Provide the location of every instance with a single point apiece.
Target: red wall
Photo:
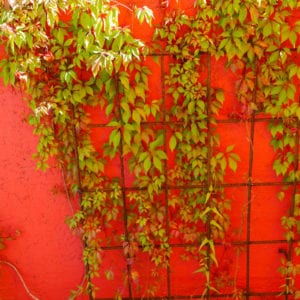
(49, 257)
(45, 252)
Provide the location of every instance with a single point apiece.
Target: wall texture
(46, 253)
(49, 257)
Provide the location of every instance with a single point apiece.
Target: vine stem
(12, 266)
(75, 144)
(67, 193)
(121, 4)
(209, 175)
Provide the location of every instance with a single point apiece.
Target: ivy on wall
(69, 55)
(199, 160)
(260, 45)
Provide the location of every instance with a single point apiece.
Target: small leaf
(229, 148)
(161, 154)
(157, 163)
(220, 95)
(172, 143)
(144, 13)
(214, 223)
(85, 20)
(297, 252)
(109, 274)
(115, 138)
(147, 164)
(267, 29)
(232, 164)
(140, 91)
(280, 196)
(191, 107)
(243, 14)
(136, 117)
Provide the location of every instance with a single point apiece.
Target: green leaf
(158, 142)
(109, 275)
(289, 235)
(147, 164)
(214, 223)
(144, 14)
(291, 90)
(157, 163)
(118, 43)
(297, 252)
(243, 14)
(140, 91)
(85, 20)
(267, 29)
(143, 156)
(230, 148)
(232, 164)
(161, 154)
(285, 32)
(124, 80)
(115, 138)
(282, 95)
(254, 14)
(293, 38)
(60, 36)
(191, 107)
(127, 137)
(280, 196)
(223, 43)
(136, 117)
(220, 95)
(109, 109)
(223, 163)
(274, 57)
(172, 143)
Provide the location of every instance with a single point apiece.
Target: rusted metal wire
(204, 185)
(165, 169)
(209, 156)
(219, 296)
(294, 192)
(228, 120)
(249, 191)
(80, 194)
(125, 216)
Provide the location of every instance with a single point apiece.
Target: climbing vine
(69, 56)
(199, 160)
(259, 39)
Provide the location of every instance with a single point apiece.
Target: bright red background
(49, 256)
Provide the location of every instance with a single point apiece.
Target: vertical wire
(162, 62)
(249, 205)
(125, 215)
(294, 192)
(250, 187)
(209, 156)
(79, 183)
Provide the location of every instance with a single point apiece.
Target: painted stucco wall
(47, 254)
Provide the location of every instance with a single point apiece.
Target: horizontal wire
(218, 244)
(199, 186)
(218, 121)
(212, 296)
